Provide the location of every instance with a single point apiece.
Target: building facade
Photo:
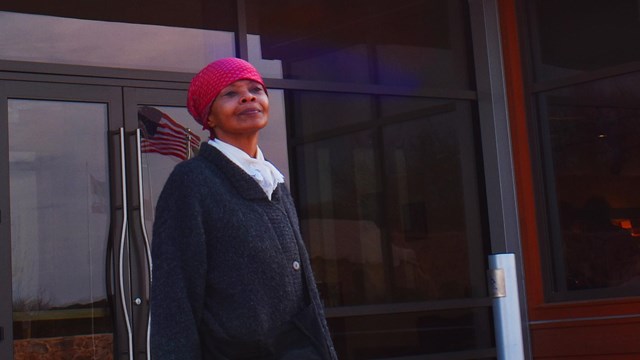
(418, 139)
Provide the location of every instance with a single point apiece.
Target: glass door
(166, 134)
(81, 173)
(59, 206)
(159, 137)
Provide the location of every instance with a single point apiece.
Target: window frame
(544, 307)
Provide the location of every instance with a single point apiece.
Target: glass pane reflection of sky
(38, 38)
(59, 202)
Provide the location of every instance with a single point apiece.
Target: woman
(231, 276)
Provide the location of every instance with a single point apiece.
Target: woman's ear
(211, 126)
(211, 122)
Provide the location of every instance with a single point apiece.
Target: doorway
(83, 171)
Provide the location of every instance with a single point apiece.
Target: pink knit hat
(208, 83)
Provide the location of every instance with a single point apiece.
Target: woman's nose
(248, 97)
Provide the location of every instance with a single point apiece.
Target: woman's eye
(257, 89)
(229, 93)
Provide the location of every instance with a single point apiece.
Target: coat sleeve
(179, 271)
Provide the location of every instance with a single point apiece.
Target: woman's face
(240, 110)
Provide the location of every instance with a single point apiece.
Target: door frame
(111, 96)
(122, 105)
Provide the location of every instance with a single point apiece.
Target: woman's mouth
(251, 111)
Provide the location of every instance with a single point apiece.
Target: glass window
(386, 207)
(340, 218)
(166, 140)
(199, 14)
(416, 44)
(432, 203)
(110, 44)
(591, 138)
(318, 112)
(573, 37)
(60, 212)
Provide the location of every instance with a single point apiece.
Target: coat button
(296, 265)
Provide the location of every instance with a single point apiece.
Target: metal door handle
(147, 246)
(123, 242)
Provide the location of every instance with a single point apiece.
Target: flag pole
(189, 154)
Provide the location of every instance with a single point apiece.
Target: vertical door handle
(147, 246)
(123, 241)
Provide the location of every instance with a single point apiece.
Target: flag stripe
(164, 144)
(170, 138)
(151, 146)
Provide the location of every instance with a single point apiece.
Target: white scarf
(262, 171)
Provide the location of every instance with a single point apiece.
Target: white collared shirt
(262, 171)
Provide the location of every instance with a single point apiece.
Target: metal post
(503, 287)
(502, 205)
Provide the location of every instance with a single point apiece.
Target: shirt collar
(262, 171)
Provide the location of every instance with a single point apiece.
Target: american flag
(162, 134)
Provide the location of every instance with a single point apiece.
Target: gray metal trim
(242, 46)
(457, 355)
(6, 306)
(92, 71)
(396, 308)
(502, 203)
(77, 74)
(494, 126)
(586, 319)
(623, 69)
(373, 89)
(80, 80)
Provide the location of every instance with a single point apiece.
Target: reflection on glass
(167, 139)
(575, 37)
(432, 225)
(60, 208)
(340, 190)
(412, 335)
(416, 44)
(593, 136)
(392, 214)
(316, 112)
(118, 44)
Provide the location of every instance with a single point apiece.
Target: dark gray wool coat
(225, 275)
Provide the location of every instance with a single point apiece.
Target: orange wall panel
(595, 339)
